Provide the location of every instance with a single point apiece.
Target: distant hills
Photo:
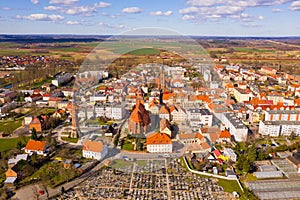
(34, 38)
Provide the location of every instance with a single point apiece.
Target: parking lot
(147, 179)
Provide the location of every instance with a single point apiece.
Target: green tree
(20, 145)
(34, 134)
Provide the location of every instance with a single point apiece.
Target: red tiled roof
(158, 138)
(35, 145)
(164, 110)
(225, 134)
(93, 146)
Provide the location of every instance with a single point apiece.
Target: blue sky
(190, 17)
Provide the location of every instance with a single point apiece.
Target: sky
(187, 17)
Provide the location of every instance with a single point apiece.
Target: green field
(8, 144)
(245, 49)
(121, 164)
(8, 126)
(128, 146)
(230, 186)
(144, 52)
(72, 140)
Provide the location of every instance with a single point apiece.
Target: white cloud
(132, 10)
(189, 10)
(105, 25)
(52, 8)
(204, 2)
(85, 10)
(276, 10)
(5, 8)
(80, 10)
(295, 6)
(161, 13)
(35, 1)
(188, 17)
(63, 2)
(102, 4)
(200, 10)
(41, 17)
(72, 22)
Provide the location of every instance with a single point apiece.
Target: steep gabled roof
(164, 110)
(164, 123)
(225, 134)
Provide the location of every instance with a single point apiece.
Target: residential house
(224, 136)
(199, 148)
(241, 95)
(36, 124)
(159, 143)
(190, 138)
(178, 114)
(94, 149)
(230, 154)
(164, 112)
(11, 176)
(34, 146)
(165, 127)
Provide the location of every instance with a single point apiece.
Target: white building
(282, 115)
(235, 127)
(279, 128)
(159, 143)
(230, 154)
(94, 150)
(61, 79)
(178, 114)
(34, 146)
(112, 111)
(98, 97)
(199, 117)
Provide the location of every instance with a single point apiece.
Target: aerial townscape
(87, 112)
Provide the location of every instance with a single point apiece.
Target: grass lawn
(120, 164)
(142, 163)
(7, 144)
(145, 51)
(230, 186)
(72, 140)
(128, 146)
(8, 126)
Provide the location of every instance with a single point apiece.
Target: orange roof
(10, 173)
(172, 109)
(225, 134)
(167, 95)
(229, 85)
(190, 136)
(205, 145)
(94, 146)
(35, 145)
(193, 98)
(35, 120)
(164, 110)
(158, 138)
(203, 98)
(140, 115)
